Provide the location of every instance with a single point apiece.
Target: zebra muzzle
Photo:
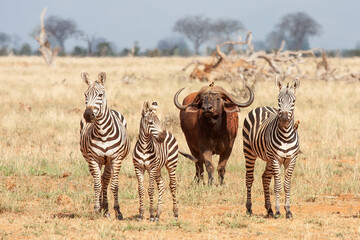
(161, 136)
(89, 115)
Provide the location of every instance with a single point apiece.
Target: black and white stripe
(103, 142)
(269, 134)
(154, 149)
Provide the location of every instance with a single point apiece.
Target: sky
(125, 21)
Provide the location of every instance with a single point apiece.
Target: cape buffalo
(209, 121)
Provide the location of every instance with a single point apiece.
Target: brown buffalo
(209, 121)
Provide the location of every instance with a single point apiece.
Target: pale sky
(125, 21)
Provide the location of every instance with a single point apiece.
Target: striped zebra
(270, 134)
(103, 141)
(154, 149)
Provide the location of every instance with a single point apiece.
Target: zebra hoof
(106, 214)
(289, 215)
(152, 219)
(249, 212)
(119, 216)
(277, 215)
(270, 213)
(140, 218)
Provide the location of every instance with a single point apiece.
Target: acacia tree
(5, 40)
(196, 28)
(296, 28)
(61, 29)
(222, 29)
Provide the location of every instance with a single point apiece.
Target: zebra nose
(89, 115)
(284, 116)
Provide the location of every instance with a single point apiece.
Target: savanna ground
(46, 190)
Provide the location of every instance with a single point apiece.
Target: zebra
(271, 135)
(103, 141)
(154, 149)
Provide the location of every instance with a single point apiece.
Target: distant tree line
(295, 28)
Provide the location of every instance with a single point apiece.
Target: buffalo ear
(192, 108)
(231, 107)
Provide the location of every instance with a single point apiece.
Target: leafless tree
(195, 28)
(49, 54)
(296, 28)
(61, 29)
(90, 41)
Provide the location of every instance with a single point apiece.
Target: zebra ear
(85, 77)
(146, 106)
(154, 106)
(102, 77)
(278, 82)
(296, 83)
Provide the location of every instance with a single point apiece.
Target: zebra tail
(188, 156)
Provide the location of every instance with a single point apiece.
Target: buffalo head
(212, 100)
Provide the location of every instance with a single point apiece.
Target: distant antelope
(271, 135)
(154, 149)
(103, 141)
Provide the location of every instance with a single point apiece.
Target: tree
(274, 39)
(222, 29)
(172, 46)
(79, 51)
(61, 29)
(90, 40)
(105, 49)
(296, 28)
(357, 46)
(25, 50)
(4, 40)
(195, 28)
(4, 44)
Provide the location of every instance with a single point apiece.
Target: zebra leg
(116, 165)
(105, 178)
(277, 186)
(161, 188)
(249, 164)
(266, 180)
(222, 165)
(95, 171)
(289, 168)
(151, 194)
(172, 185)
(140, 177)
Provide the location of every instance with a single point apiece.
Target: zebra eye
(100, 95)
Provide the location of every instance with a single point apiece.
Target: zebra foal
(154, 149)
(103, 142)
(271, 135)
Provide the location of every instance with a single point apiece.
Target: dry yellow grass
(46, 190)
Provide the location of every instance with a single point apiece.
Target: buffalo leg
(207, 156)
(222, 165)
(199, 165)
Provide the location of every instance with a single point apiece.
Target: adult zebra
(103, 141)
(269, 134)
(154, 149)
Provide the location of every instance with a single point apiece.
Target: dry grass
(45, 187)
